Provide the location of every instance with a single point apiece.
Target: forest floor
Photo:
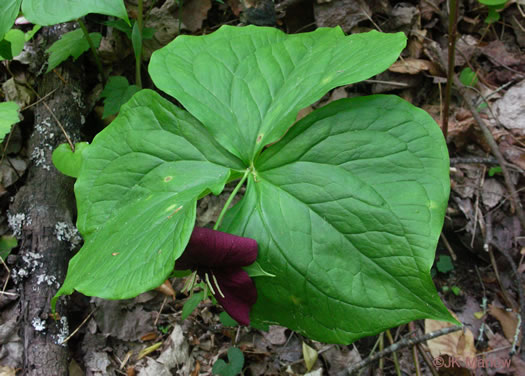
(479, 264)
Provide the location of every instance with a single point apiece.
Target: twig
(448, 247)
(427, 360)
(39, 100)
(452, 22)
(160, 311)
(8, 275)
(412, 328)
(80, 326)
(60, 126)
(405, 342)
(54, 117)
(473, 160)
(393, 83)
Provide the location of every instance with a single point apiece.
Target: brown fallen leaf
(459, 345)
(411, 66)
(508, 321)
(344, 13)
(167, 289)
(194, 12)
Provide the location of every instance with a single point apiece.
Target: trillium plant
(344, 206)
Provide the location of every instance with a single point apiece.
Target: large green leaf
(8, 12)
(247, 84)
(8, 117)
(347, 209)
(137, 192)
(51, 12)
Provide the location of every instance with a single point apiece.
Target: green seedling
(493, 7)
(468, 77)
(444, 264)
(234, 365)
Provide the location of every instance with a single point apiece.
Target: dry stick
(54, 117)
(427, 360)
(452, 22)
(473, 160)
(405, 342)
(412, 328)
(61, 127)
(80, 326)
(448, 247)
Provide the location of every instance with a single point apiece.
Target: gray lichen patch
(17, 221)
(49, 279)
(38, 155)
(38, 324)
(68, 233)
(63, 331)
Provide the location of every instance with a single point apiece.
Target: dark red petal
(216, 249)
(239, 292)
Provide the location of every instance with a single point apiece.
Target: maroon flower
(218, 258)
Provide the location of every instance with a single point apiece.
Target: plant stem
(93, 49)
(138, 54)
(452, 23)
(230, 199)
(394, 353)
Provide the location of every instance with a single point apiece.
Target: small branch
(452, 23)
(473, 160)
(412, 328)
(78, 327)
(405, 342)
(93, 49)
(52, 115)
(448, 247)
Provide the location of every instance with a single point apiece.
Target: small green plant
(444, 264)
(234, 365)
(346, 205)
(495, 170)
(468, 77)
(454, 289)
(493, 7)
